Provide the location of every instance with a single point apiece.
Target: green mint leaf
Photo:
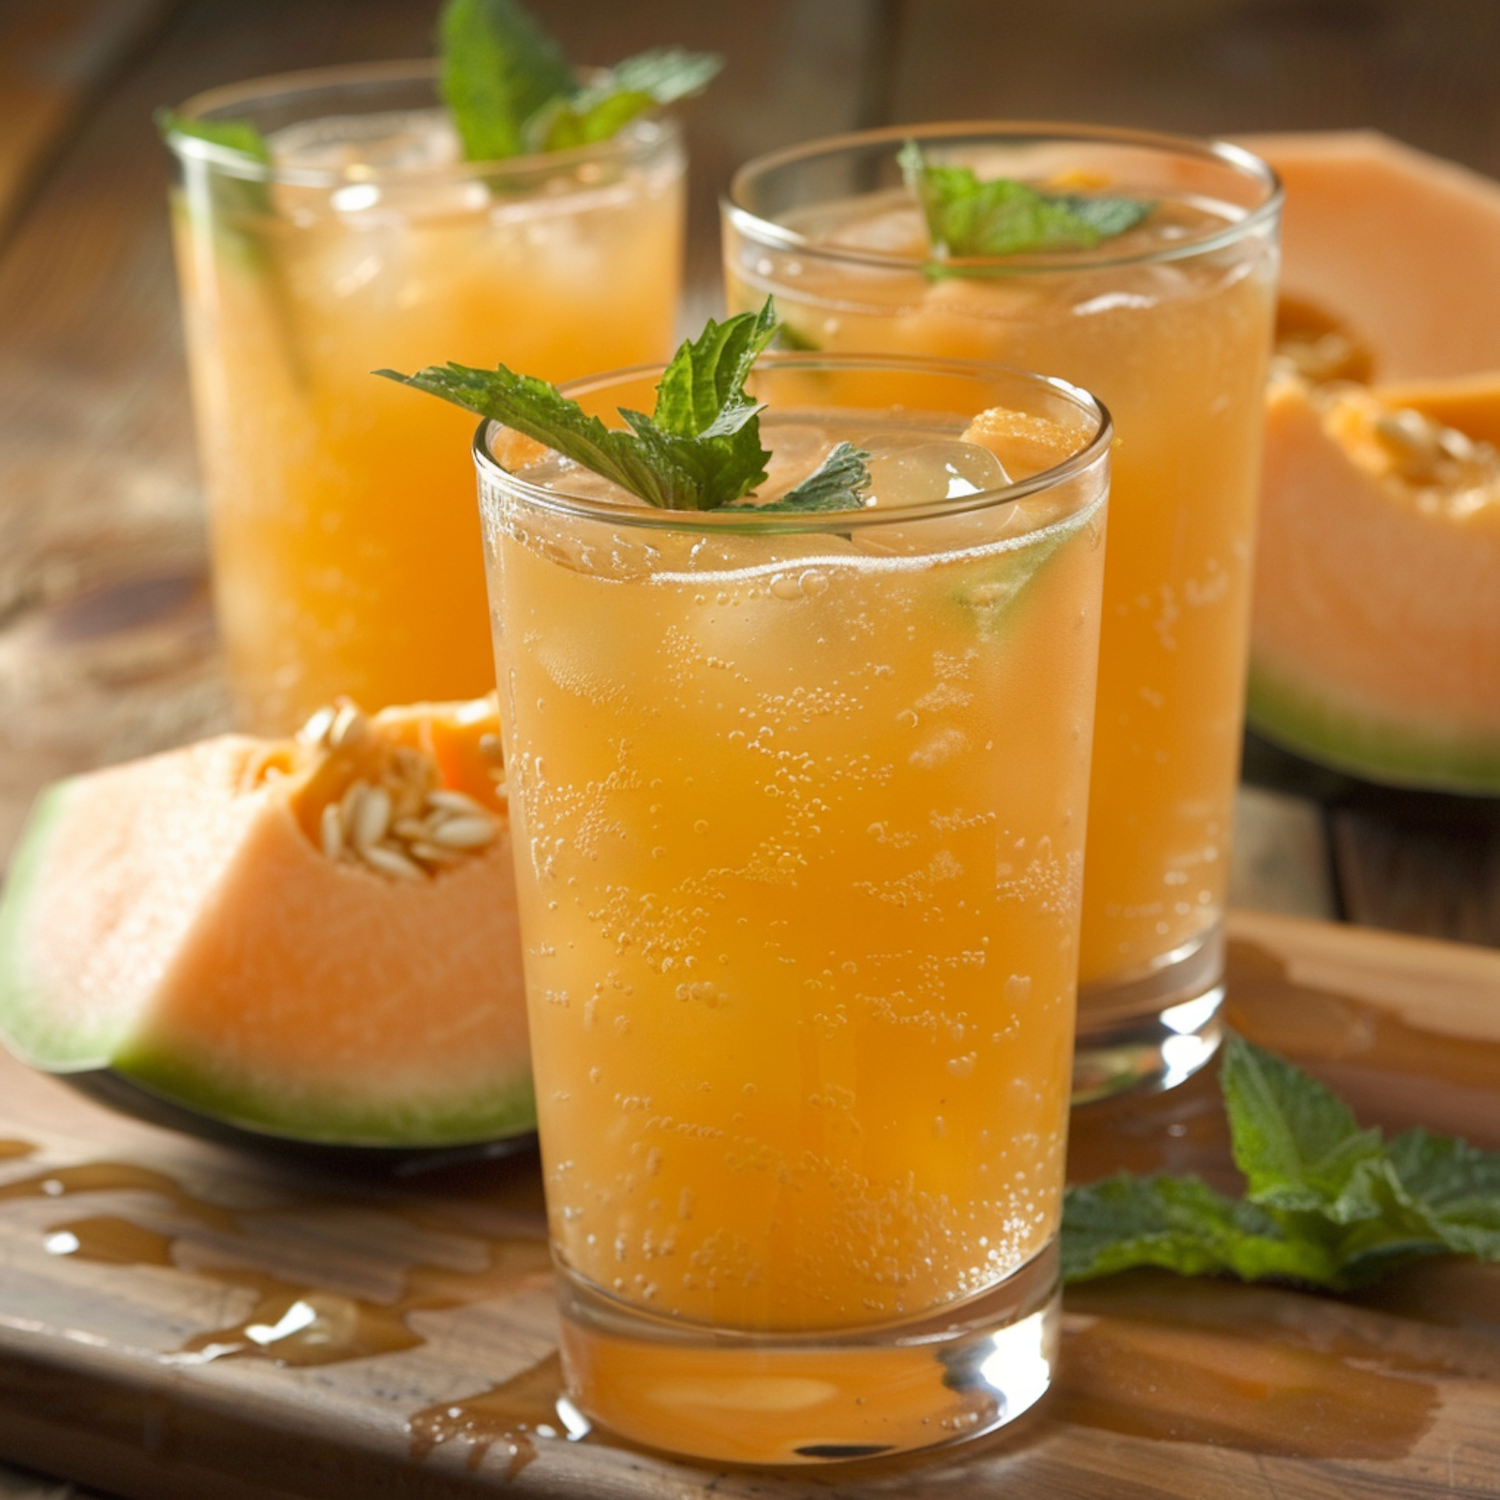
(1296, 1141)
(1329, 1204)
(540, 411)
(840, 482)
(562, 125)
(703, 389)
(969, 218)
(788, 336)
(666, 73)
(1454, 1186)
(237, 135)
(661, 76)
(699, 450)
(1181, 1224)
(499, 68)
(233, 196)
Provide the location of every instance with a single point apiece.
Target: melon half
(1377, 606)
(185, 922)
(1375, 638)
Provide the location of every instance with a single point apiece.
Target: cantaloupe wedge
(212, 924)
(1400, 248)
(1377, 604)
(1375, 637)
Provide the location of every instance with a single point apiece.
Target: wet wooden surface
(180, 1321)
(107, 650)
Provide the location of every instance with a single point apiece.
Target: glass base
(1155, 1031)
(806, 1398)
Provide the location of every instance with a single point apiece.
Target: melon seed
(371, 818)
(456, 802)
(332, 827)
(385, 859)
(349, 726)
(464, 833)
(315, 731)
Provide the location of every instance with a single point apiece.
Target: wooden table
(107, 648)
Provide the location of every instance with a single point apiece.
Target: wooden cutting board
(177, 1320)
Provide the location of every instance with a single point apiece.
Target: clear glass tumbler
(798, 803)
(1171, 325)
(346, 554)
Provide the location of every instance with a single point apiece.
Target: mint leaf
(1328, 1205)
(540, 411)
(1455, 1186)
(840, 482)
(792, 338)
(1296, 1141)
(699, 450)
(237, 135)
(232, 195)
(1180, 1224)
(499, 68)
(970, 218)
(661, 76)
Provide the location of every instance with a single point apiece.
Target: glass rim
(1092, 447)
(1237, 159)
(636, 139)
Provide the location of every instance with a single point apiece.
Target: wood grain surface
(177, 1320)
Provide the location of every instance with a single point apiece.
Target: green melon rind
(32, 1028)
(1364, 743)
(502, 1107)
(24, 1011)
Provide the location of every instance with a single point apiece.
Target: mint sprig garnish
(838, 483)
(595, 113)
(499, 68)
(1327, 1204)
(236, 194)
(511, 90)
(700, 448)
(968, 218)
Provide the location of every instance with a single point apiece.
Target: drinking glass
(346, 554)
(798, 802)
(1171, 325)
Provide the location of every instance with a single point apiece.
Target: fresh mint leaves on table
(1327, 1204)
(511, 90)
(700, 448)
(968, 218)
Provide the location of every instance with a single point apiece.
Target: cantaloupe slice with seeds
(1375, 638)
(1377, 610)
(1399, 248)
(179, 921)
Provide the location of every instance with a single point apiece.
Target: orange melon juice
(799, 806)
(1170, 324)
(346, 551)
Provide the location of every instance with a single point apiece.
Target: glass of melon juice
(1171, 324)
(346, 555)
(798, 804)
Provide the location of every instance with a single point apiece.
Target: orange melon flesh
(1375, 638)
(171, 919)
(1401, 248)
(1376, 643)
